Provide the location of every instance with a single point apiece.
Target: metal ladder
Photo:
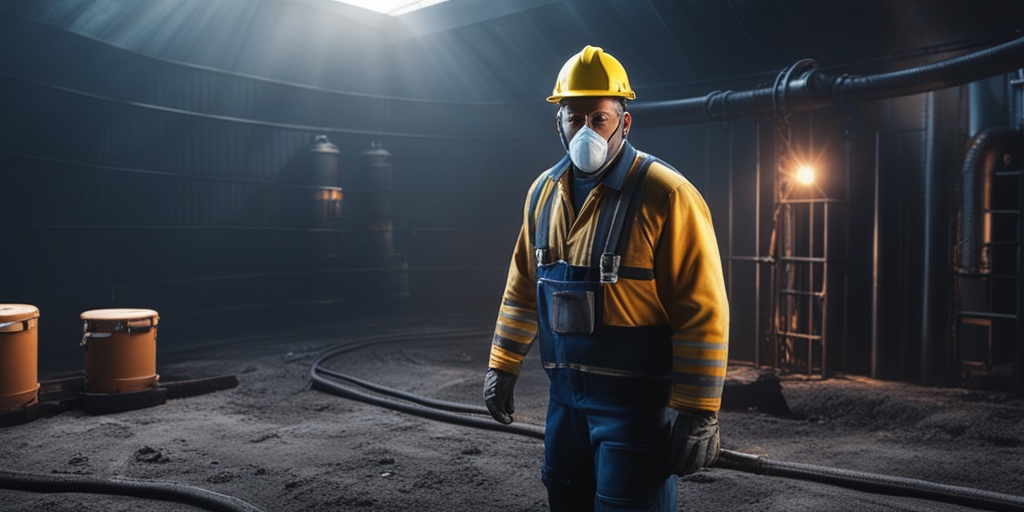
(800, 285)
(987, 300)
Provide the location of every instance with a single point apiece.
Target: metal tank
(378, 176)
(323, 175)
(321, 236)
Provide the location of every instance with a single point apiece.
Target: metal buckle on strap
(542, 256)
(609, 268)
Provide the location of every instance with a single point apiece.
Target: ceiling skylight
(392, 7)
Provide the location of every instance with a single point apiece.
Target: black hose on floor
(429, 408)
(123, 487)
(443, 411)
(872, 482)
(443, 405)
(426, 412)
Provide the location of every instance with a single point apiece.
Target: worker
(617, 273)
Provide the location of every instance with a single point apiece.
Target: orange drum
(120, 350)
(19, 356)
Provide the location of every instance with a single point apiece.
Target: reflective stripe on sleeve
(703, 385)
(682, 399)
(698, 374)
(516, 324)
(512, 346)
(504, 360)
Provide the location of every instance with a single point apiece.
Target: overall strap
(618, 213)
(539, 227)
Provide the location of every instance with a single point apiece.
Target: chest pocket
(572, 312)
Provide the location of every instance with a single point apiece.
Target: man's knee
(568, 492)
(633, 477)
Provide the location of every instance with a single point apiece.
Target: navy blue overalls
(608, 427)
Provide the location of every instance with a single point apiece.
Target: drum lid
(120, 320)
(118, 314)
(17, 312)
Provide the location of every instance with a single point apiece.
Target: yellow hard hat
(592, 72)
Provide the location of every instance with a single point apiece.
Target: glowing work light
(805, 175)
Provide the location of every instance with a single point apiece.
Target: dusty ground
(281, 446)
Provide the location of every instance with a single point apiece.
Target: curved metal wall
(129, 181)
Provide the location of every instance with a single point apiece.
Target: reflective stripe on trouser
(608, 427)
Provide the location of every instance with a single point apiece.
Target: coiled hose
(123, 487)
(449, 412)
(456, 413)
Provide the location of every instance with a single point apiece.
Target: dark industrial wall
(131, 181)
(920, 153)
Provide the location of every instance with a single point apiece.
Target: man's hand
(695, 442)
(498, 386)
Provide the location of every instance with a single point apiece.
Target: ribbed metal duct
(987, 152)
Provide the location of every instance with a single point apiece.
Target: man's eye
(575, 119)
(600, 120)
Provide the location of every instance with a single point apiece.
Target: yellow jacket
(672, 234)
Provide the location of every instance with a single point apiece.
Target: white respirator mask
(589, 151)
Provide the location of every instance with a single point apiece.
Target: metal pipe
(825, 255)
(874, 261)
(988, 104)
(1019, 349)
(810, 302)
(730, 211)
(803, 87)
(757, 243)
(845, 319)
(929, 194)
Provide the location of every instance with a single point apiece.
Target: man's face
(600, 114)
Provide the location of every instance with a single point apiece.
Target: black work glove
(498, 386)
(695, 442)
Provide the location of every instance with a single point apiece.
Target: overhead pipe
(804, 86)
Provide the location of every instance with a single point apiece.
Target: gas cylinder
(324, 163)
(378, 176)
(19, 356)
(323, 174)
